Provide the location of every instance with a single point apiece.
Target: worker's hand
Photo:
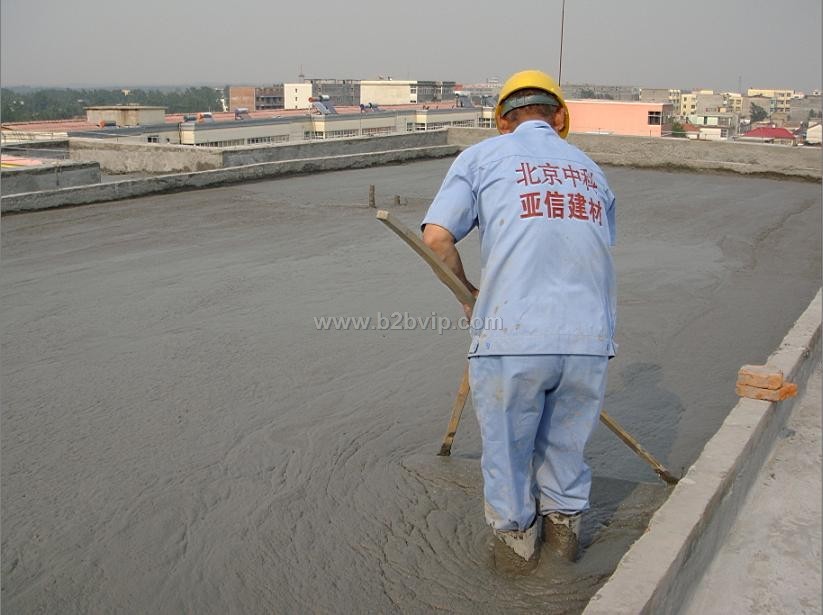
(468, 309)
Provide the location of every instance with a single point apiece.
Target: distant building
(482, 94)
(769, 134)
(435, 91)
(125, 115)
(813, 134)
(805, 108)
(400, 92)
(297, 95)
(760, 101)
(688, 104)
(779, 100)
(341, 92)
(242, 97)
(585, 91)
(715, 125)
(269, 98)
(631, 118)
(736, 103)
(662, 95)
(388, 92)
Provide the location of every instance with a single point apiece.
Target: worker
(542, 329)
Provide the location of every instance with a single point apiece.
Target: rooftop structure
(652, 119)
(125, 115)
(770, 134)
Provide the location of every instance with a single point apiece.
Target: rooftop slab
(178, 433)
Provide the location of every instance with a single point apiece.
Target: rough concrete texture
(57, 148)
(179, 436)
(661, 570)
(115, 157)
(770, 561)
(126, 189)
(644, 152)
(52, 175)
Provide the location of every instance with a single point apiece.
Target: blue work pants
(536, 413)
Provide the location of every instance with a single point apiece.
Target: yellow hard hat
(532, 79)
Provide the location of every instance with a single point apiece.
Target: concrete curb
(114, 191)
(659, 572)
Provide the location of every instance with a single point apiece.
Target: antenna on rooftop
(562, 24)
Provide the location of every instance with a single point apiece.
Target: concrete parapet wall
(645, 152)
(115, 157)
(56, 148)
(185, 181)
(49, 177)
(333, 147)
(660, 571)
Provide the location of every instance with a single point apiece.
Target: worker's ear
(559, 120)
(504, 126)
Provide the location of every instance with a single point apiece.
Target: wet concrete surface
(177, 435)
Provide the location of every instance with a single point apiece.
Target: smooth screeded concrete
(770, 561)
(178, 436)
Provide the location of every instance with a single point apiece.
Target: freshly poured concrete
(177, 435)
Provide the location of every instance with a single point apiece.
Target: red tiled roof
(768, 132)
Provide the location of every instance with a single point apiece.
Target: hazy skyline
(698, 44)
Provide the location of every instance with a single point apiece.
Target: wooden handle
(463, 294)
(457, 411)
(633, 444)
(445, 274)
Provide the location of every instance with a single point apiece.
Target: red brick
(761, 376)
(787, 390)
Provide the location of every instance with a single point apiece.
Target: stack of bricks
(763, 382)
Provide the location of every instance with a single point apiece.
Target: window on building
(153, 139)
(380, 130)
(341, 134)
(228, 143)
(655, 118)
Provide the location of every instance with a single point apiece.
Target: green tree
(58, 104)
(678, 130)
(758, 113)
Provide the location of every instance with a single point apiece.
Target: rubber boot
(562, 534)
(525, 543)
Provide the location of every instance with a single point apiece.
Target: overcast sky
(647, 43)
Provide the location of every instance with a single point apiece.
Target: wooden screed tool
(447, 276)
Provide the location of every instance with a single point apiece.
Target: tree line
(58, 104)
